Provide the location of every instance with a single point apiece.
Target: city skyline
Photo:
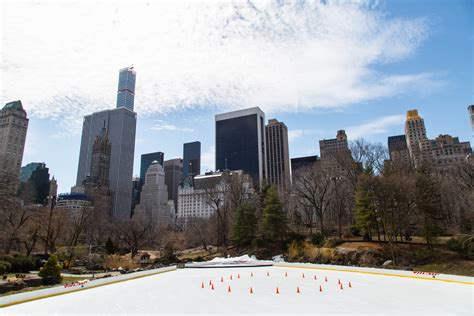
(431, 72)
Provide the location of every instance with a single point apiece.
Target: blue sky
(318, 67)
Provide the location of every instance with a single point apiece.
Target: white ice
(180, 292)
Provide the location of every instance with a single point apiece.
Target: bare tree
(313, 189)
(135, 234)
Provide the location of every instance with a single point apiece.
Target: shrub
(51, 271)
(454, 245)
(295, 237)
(317, 239)
(295, 250)
(22, 264)
(5, 267)
(333, 242)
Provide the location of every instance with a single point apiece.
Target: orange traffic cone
(228, 289)
(315, 278)
(277, 290)
(286, 274)
(212, 287)
(320, 288)
(298, 290)
(222, 279)
(303, 275)
(251, 290)
(251, 274)
(341, 286)
(202, 285)
(350, 285)
(210, 282)
(231, 276)
(338, 281)
(325, 279)
(268, 273)
(238, 276)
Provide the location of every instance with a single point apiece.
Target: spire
(103, 132)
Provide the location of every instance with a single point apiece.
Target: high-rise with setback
(13, 128)
(240, 143)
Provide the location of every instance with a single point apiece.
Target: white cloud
(208, 159)
(377, 126)
(62, 58)
(163, 126)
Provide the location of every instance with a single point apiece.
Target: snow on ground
(181, 291)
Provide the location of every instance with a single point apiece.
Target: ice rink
(300, 291)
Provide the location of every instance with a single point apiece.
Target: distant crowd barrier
(76, 286)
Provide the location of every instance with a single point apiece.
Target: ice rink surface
(181, 292)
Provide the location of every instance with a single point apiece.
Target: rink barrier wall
(64, 289)
(392, 273)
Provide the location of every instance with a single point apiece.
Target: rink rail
(382, 272)
(76, 286)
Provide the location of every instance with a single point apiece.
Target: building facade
(446, 151)
(154, 204)
(13, 128)
(120, 125)
(398, 150)
(191, 159)
(72, 204)
(278, 157)
(301, 163)
(96, 184)
(197, 195)
(334, 148)
(126, 88)
(173, 176)
(471, 112)
(240, 143)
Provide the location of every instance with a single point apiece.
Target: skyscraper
(154, 204)
(126, 88)
(240, 143)
(415, 133)
(13, 128)
(191, 158)
(173, 176)
(278, 157)
(146, 160)
(121, 126)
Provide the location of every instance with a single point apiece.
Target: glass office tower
(240, 142)
(191, 158)
(146, 161)
(126, 88)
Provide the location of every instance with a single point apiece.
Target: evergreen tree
(365, 215)
(428, 203)
(110, 247)
(274, 220)
(245, 224)
(51, 271)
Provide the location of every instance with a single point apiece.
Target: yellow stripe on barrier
(80, 289)
(378, 273)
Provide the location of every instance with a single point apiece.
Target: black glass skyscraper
(240, 142)
(146, 161)
(191, 158)
(126, 88)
